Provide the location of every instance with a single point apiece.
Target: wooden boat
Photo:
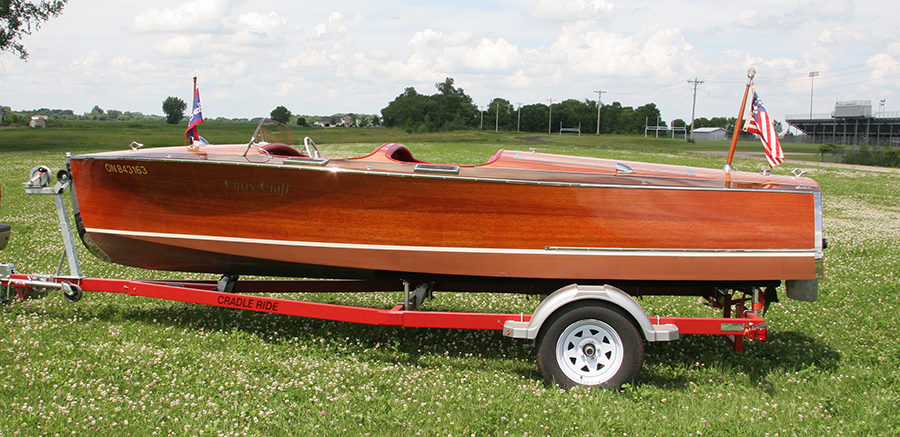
(270, 209)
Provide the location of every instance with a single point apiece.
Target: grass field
(121, 365)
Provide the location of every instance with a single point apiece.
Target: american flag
(196, 118)
(762, 125)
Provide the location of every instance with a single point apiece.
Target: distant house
(38, 121)
(348, 120)
(709, 133)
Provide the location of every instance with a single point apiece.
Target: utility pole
(550, 120)
(599, 94)
(482, 118)
(696, 83)
(497, 118)
(519, 117)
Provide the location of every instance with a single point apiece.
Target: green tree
(19, 18)
(174, 108)
(301, 121)
(449, 109)
(647, 115)
(573, 113)
(407, 110)
(613, 118)
(281, 115)
(97, 112)
(535, 117)
(500, 112)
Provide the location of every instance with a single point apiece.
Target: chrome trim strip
(318, 162)
(819, 232)
(440, 249)
(528, 157)
(682, 251)
(437, 168)
(333, 169)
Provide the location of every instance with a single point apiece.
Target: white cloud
(90, 64)
(805, 12)
(181, 46)
(487, 56)
(824, 9)
(431, 39)
(193, 16)
(256, 28)
(754, 19)
(333, 25)
(519, 80)
(843, 39)
(884, 65)
(311, 58)
(568, 10)
(599, 52)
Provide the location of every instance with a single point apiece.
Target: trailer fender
(573, 293)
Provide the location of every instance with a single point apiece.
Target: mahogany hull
(523, 216)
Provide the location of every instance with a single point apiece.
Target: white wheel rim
(589, 352)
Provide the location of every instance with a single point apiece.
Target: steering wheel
(310, 149)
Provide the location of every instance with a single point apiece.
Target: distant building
(709, 133)
(38, 121)
(348, 120)
(851, 123)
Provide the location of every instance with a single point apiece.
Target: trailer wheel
(591, 345)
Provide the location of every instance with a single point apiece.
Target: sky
(350, 56)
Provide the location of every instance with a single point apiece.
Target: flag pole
(187, 141)
(737, 125)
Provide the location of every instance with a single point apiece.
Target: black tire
(72, 293)
(591, 344)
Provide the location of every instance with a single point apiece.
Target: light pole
(550, 119)
(812, 80)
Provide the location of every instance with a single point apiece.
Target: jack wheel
(72, 293)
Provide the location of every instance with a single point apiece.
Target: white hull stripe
(742, 253)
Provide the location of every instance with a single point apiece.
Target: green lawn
(121, 365)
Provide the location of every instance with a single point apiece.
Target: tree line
(450, 108)
(22, 118)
